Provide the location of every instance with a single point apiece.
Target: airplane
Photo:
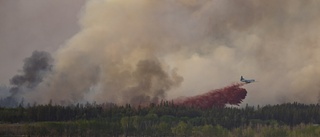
(246, 80)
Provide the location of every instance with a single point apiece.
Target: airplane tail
(241, 78)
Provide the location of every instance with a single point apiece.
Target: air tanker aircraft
(246, 80)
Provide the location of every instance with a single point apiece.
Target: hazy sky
(28, 25)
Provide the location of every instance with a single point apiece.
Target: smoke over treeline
(147, 50)
(35, 68)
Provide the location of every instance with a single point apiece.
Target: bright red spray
(232, 95)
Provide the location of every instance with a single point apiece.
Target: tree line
(163, 119)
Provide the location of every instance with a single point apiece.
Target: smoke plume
(26, 26)
(35, 68)
(145, 50)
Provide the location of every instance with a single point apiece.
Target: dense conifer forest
(163, 119)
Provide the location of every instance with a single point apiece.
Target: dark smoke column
(35, 69)
(232, 95)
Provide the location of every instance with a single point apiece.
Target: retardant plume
(193, 45)
(232, 95)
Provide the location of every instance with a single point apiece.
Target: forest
(163, 119)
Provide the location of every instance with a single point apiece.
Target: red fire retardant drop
(232, 95)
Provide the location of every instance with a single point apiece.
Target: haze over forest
(126, 51)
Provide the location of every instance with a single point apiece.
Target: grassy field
(93, 128)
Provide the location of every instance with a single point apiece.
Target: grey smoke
(28, 25)
(153, 82)
(4, 91)
(35, 69)
(143, 51)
